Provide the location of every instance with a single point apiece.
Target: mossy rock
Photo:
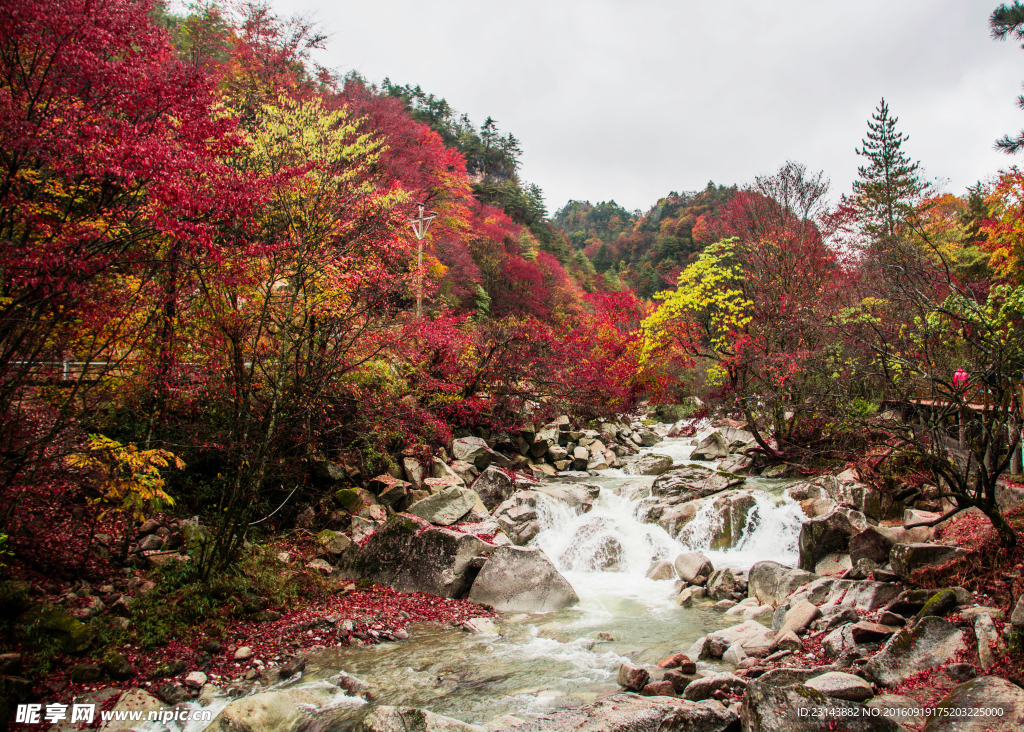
(938, 604)
(350, 500)
(197, 537)
(39, 625)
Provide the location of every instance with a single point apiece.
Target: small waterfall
(607, 539)
(769, 529)
(736, 532)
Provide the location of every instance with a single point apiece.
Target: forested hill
(644, 251)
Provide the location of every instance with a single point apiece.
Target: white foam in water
(609, 551)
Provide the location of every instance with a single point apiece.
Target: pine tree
(889, 184)
(1007, 21)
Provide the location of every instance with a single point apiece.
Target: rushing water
(539, 662)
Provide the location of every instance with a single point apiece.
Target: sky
(629, 100)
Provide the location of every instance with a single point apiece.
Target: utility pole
(419, 225)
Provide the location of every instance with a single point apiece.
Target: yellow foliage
(131, 477)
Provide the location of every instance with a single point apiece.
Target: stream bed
(540, 662)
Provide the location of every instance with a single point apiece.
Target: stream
(543, 661)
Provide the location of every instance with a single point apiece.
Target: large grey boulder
(870, 544)
(472, 450)
(386, 552)
(754, 638)
(516, 579)
(445, 508)
(830, 592)
(441, 562)
(270, 710)
(692, 481)
(771, 583)
(906, 558)
(712, 447)
(773, 708)
(873, 503)
(649, 464)
(826, 534)
(928, 644)
(799, 617)
(409, 719)
(494, 487)
(738, 440)
(633, 713)
(998, 703)
(691, 565)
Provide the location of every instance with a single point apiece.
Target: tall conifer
(889, 184)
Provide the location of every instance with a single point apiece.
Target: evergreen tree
(889, 184)
(1007, 21)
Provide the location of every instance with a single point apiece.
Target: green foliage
(890, 186)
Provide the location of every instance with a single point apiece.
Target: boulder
(661, 570)
(440, 469)
(494, 487)
(633, 677)
(650, 438)
(823, 535)
(928, 644)
(838, 685)
(333, 542)
(705, 687)
(771, 583)
(737, 465)
(354, 500)
(516, 579)
(408, 719)
(754, 638)
(906, 558)
(258, 713)
(833, 564)
(870, 544)
(864, 631)
(721, 584)
(693, 481)
(472, 450)
(868, 500)
(445, 508)
(987, 635)
(413, 471)
(389, 490)
(387, 550)
(712, 447)
(649, 464)
(998, 704)
(440, 562)
(788, 641)
(838, 641)
(692, 565)
(769, 707)
(1017, 616)
(799, 618)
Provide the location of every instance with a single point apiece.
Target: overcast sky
(630, 100)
